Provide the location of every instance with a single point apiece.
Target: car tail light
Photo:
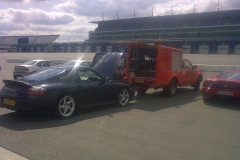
(35, 91)
(207, 83)
(26, 69)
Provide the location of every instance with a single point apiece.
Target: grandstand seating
(196, 25)
(41, 39)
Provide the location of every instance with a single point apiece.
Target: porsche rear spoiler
(16, 82)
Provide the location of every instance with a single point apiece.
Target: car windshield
(30, 62)
(44, 74)
(229, 75)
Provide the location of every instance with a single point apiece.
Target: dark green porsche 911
(64, 89)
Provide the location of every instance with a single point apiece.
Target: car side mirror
(195, 67)
(103, 80)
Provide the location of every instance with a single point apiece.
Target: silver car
(31, 66)
(78, 62)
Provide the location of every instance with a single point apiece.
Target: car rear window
(30, 62)
(229, 75)
(44, 74)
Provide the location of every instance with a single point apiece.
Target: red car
(226, 83)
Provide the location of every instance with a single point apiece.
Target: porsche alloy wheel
(123, 97)
(66, 106)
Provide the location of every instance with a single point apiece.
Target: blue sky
(70, 18)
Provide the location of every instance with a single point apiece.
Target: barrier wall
(203, 67)
(237, 49)
(223, 49)
(203, 49)
(109, 48)
(186, 49)
(218, 68)
(98, 48)
(13, 60)
(78, 49)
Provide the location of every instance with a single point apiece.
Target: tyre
(66, 106)
(171, 89)
(197, 84)
(123, 97)
(206, 100)
(141, 91)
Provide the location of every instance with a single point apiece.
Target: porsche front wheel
(123, 97)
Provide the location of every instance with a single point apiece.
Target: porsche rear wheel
(65, 106)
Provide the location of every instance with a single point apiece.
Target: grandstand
(215, 32)
(37, 43)
(209, 32)
(41, 43)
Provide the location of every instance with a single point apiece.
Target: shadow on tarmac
(224, 102)
(152, 102)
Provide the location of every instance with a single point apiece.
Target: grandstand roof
(38, 39)
(180, 17)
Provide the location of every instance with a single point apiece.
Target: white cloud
(109, 8)
(38, 21)
(23, 1)
(71, 17)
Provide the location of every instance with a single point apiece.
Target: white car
(79, 62)
(31, 66)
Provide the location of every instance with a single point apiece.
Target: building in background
(38, 43)
(196, 33)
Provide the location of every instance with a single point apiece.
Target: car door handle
(80, 86)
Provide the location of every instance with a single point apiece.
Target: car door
(189, 72)
(182, 75)
(91, 86)
(45, 64)
(50, 63)
(37, 66)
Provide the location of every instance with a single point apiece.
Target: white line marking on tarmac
(8, 155)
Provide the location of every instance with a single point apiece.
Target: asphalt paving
(152, 126)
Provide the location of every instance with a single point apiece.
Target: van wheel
(141, 91)
(66, 106)
(171, 89)
(197, 84)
